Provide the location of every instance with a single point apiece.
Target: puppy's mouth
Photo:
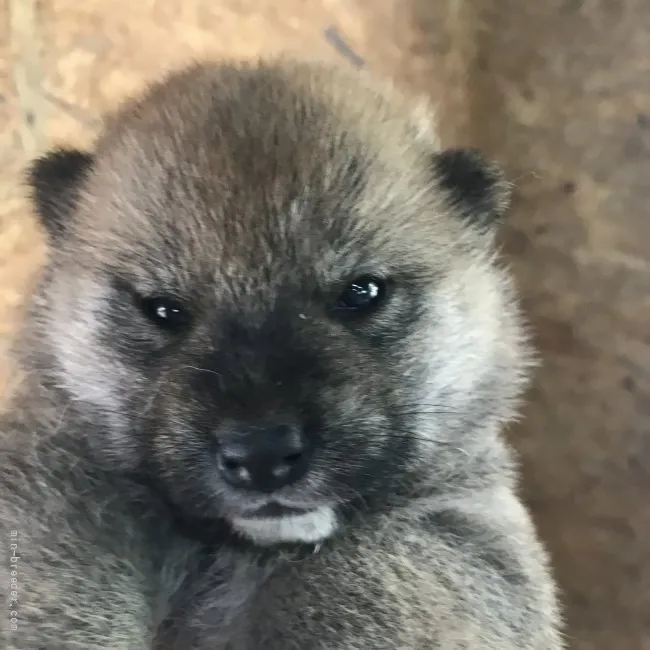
(275, 523)
(273, 509)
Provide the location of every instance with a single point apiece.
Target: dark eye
(363, 295)
(166, 313)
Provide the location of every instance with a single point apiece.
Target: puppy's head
(269, 286)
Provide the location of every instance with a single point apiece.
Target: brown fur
(254, 195)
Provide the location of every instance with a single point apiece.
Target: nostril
(232, 460)
(291, 459)
(230, 464)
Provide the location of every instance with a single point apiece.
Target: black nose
(265, 459)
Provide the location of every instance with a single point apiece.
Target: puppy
(267, 367)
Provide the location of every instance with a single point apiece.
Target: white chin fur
(311, 527)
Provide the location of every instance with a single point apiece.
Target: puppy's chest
(215, 607)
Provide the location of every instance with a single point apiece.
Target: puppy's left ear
(55, 180)
(477, 188)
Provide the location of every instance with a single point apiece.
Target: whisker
(199, 369)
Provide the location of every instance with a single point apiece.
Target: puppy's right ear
(55, 180)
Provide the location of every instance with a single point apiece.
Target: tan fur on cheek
(91, 375)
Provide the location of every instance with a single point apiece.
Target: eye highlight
(362, 296)
(165, 312)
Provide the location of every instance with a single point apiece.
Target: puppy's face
(270, 289)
